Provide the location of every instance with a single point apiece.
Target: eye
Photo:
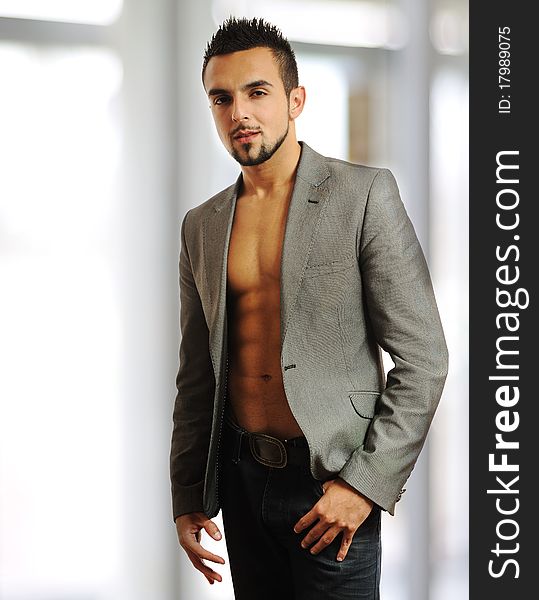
(258, 93)
(221, 100)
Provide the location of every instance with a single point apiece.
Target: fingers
(201, 552)
(199, 564)
(323, 534)
(212, 529)
(307, 519)
(341, 509)
(190, 537)
(324, 537)
(345, 545)
(189, 529)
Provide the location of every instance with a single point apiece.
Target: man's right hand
(188, 528)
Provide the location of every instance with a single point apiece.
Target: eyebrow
(247, 86)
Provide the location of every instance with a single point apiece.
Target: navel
(266, 377)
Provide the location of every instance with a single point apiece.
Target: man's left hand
(341, 509)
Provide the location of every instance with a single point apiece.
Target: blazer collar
(312, 168)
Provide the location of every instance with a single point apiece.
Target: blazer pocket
(364, 403)
(333, 266)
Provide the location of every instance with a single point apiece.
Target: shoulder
(197, 215)
(374, 185)
(347, 176)
(344, 168)
(375, 179)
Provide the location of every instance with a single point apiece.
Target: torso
(255, 385)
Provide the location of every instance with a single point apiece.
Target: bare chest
(256, 240)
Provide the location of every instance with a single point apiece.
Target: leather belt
(265, 449)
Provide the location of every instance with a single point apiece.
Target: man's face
(248, 103)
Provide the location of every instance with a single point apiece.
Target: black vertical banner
(504, 268)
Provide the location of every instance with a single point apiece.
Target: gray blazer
(353, 279)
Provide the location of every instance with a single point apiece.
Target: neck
(274, 174)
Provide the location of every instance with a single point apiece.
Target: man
(290, 282)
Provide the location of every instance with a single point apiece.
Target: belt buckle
(264, 446)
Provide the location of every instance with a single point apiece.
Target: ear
(296, 102)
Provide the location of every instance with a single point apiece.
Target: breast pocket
(327, 268)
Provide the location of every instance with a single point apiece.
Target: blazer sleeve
(402, 309)
(193, 406)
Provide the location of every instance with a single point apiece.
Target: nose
(239, 110)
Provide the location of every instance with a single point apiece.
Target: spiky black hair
(235, 35)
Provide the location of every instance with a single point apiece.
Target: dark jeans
(260, 507)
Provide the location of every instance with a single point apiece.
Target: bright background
(105, 141)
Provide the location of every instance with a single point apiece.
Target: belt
(265, 449)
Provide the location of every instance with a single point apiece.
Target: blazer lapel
(217, 228)
(304, 214)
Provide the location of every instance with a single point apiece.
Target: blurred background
(106, 140)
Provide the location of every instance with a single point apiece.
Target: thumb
(211, 528)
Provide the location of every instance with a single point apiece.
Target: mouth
(245, 136)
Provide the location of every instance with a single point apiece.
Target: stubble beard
(264, 154)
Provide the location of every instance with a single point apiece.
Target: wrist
(356, 491)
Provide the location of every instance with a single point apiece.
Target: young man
(290, 282)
